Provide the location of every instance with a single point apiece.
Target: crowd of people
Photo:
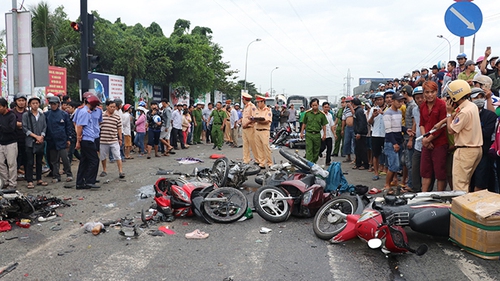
(427, 128)
(66, 131)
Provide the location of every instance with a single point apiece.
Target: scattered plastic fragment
(265, 230)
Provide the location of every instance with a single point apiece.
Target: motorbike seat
(393, 200)
(309, 180)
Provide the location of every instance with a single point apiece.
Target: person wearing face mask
(483, 178)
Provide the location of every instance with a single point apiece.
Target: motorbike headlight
(306, 199)
(183, 195)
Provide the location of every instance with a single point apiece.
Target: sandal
(196, 234)
(30, 185)
(42, 183)
(103, 174)
(389, 191)
(68, 179)
(157, 155)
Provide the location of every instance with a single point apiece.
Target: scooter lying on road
(282, 135)
(233, 174)
(425, 212)
(301, 195)
(379, 230)
(13, 204)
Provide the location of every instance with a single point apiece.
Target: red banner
(57, 80)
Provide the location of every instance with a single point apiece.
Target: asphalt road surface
(60, 250)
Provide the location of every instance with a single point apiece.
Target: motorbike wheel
(269, 206)
(229, 211)
(221, 170)
(252, 170)
(296, 160)
(326, 224)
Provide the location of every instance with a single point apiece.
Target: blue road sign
(463, 19)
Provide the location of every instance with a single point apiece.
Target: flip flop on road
(374, 191)
(196, 234)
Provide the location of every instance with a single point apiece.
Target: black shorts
(153, 137)
(483, 172)
(377, 146)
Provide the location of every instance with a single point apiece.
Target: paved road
(238, 251)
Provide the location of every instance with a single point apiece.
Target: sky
(314, 43)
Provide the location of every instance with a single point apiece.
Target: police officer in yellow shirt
(262, 120)
(248, 129)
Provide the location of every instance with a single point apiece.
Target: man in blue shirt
(87, 134)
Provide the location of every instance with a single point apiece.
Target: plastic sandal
(42, 183)
(196, 234)
(30, 185)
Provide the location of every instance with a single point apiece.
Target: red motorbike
(200, 196)
(378, 231)
(301, 194)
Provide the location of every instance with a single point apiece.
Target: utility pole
(83, 47)
(348, 83)
(15, 48)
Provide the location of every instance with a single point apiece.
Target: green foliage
(187, 60)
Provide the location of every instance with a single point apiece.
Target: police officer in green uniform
(219, 117)
(314, 121)
(338, 129)
(198, 121)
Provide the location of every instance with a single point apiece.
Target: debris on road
(94, 227)
(265, 230)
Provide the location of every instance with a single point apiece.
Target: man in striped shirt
(111, 137)
(394, 139)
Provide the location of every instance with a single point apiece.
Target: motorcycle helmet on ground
(458, 89)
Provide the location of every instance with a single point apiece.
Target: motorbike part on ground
(269, 203)
(225, 204)
(328, 222)
(239, 173)
(296, 160)
(220, 169)
(196, 234)
(265, 230)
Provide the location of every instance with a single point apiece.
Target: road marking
(469, 268)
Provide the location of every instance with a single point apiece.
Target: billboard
(4, 79)
(108, 86)
(57, 80)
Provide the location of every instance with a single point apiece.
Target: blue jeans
(392, 157)
(348, 140)
(139, 141)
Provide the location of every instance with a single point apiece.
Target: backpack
(336, 180)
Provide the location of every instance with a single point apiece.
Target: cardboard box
(475, 223)
(482, 207)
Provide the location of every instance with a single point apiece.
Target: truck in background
(298, 101)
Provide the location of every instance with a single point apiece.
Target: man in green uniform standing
(314, 121)
(198, 121)
(219, 118)
(338, 128)
(301, 116)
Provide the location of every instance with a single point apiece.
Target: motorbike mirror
(376, 243)
(422, 249)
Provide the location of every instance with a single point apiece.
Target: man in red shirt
(434, 146)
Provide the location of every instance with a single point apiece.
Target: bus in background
(298, 101)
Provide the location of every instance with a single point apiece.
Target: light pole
(246, 60)
(378, 71)
(449, 46)
(272, 80)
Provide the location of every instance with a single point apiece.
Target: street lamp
(449, 46)
(378, 71)
(246, 60)
(272, 80)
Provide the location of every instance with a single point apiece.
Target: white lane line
(468, 267)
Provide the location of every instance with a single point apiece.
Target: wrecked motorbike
(425, 212)
(301, 195)
(13, 204)
(379, 230)
(233, 174)
(282, 135)
(182, 198)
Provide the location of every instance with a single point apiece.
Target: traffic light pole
(84, 77)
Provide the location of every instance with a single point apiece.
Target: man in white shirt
(328, 142)
(177, 127)
(207, 127)
(234, 124)
(376, 119)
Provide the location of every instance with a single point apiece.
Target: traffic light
(91, 30)
(76, 26)
(93, 63)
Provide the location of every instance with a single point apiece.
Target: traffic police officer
(219, 119)
(248, 129)
(465, 125)
(262, 126)
(314, 121)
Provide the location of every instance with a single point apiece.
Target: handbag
(37, 147)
